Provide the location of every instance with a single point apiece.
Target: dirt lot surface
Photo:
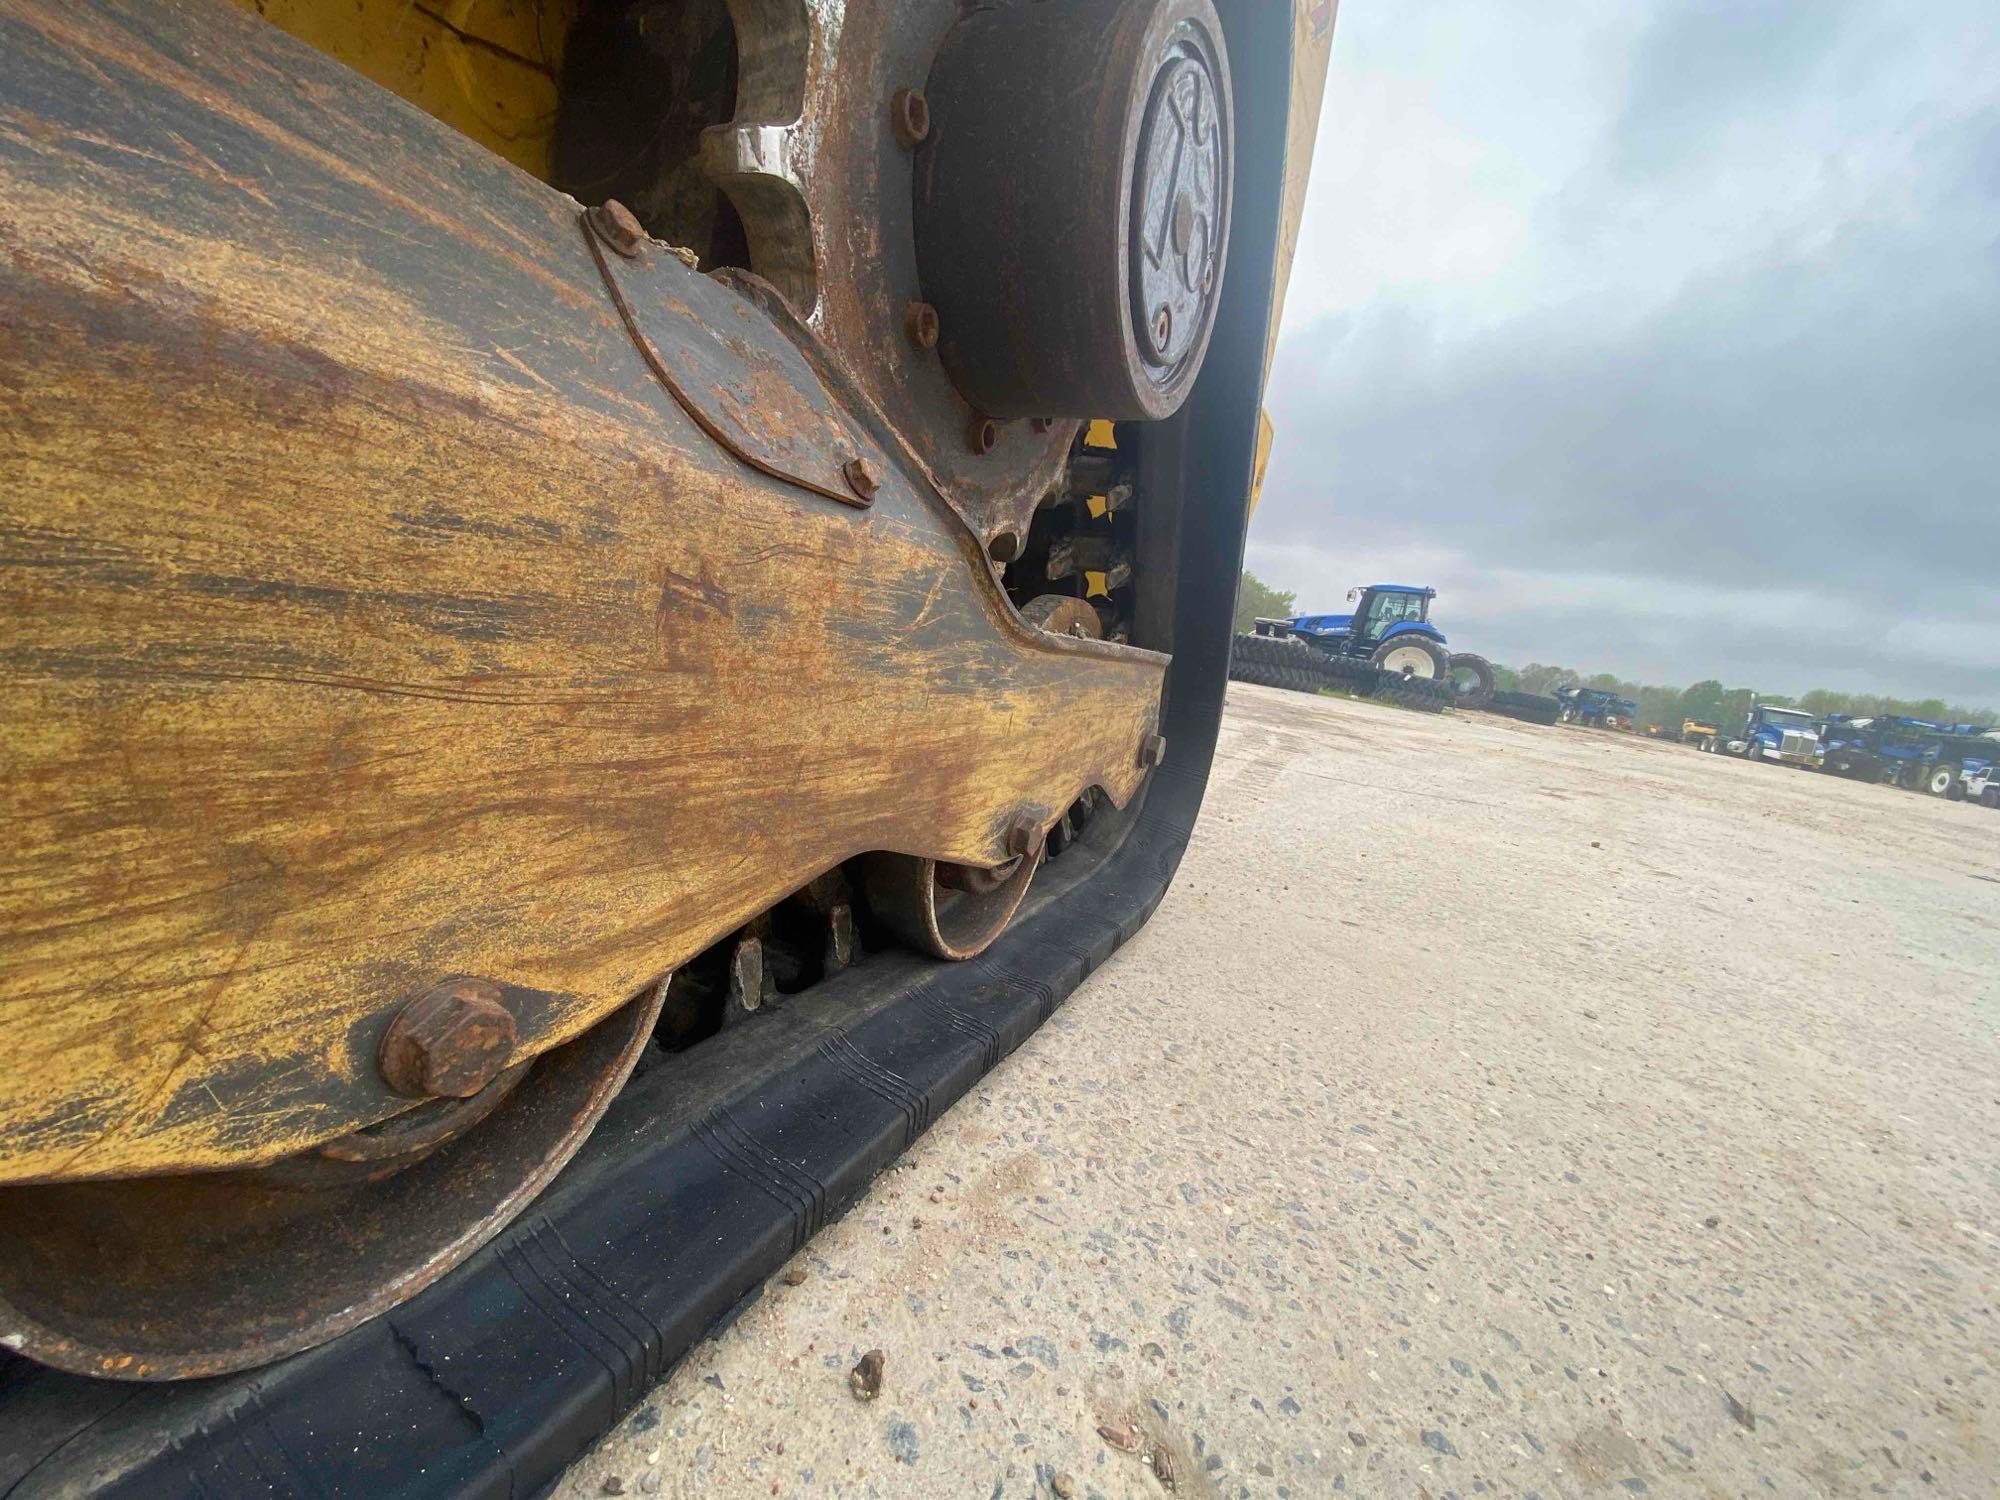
(1489, 1109)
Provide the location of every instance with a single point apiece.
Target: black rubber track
(692, 1191)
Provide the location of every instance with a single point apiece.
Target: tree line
(1706, 702)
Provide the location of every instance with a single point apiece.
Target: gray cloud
(1732, 376)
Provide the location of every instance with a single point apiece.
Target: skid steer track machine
(542, 532)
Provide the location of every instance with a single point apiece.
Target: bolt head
(1152, 749)
(615, 225)
(1024, 836)
(449, 1043)
(909, 115)
(920, 325)
(861, 477)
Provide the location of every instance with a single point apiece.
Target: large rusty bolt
(1071, 206)
(614, 223)
(1152, 749)
(862, 479)
(449, 1043)
(1024, 835)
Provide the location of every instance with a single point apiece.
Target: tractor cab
(1381, 607)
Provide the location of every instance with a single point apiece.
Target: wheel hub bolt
(1152, 749)
(909, 115)
(920, 325)
(449, 1043)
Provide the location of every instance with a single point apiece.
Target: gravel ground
(1489, 1109)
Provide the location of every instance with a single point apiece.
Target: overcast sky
(1660, 336)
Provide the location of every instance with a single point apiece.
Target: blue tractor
(1596, 708)
(1390, 629)
(1957, 761)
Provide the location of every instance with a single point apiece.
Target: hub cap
(1177, 208)
(1071, 204)
(1410, 661)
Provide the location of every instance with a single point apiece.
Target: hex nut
(1024, 836)
(448, 1043)
(615, 224)
(861, 478)
(1152, 748)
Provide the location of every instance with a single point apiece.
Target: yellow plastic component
(1094, 585)
(1265, 435)
(1097, 505)
(487, 68)
(1099, 434)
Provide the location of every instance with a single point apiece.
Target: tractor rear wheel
(1412, 656)
(1941, 780)
(1471, 679)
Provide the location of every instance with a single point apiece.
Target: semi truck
(1772, 732)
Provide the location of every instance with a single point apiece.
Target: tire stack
(1279, 662)
(1531, 708)
(1425, 694)
(1284, 662)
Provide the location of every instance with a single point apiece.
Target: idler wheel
(160, 1278)
(1072, 204)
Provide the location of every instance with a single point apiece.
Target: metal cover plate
(732, 369)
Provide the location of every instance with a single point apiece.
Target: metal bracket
(745, 384)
